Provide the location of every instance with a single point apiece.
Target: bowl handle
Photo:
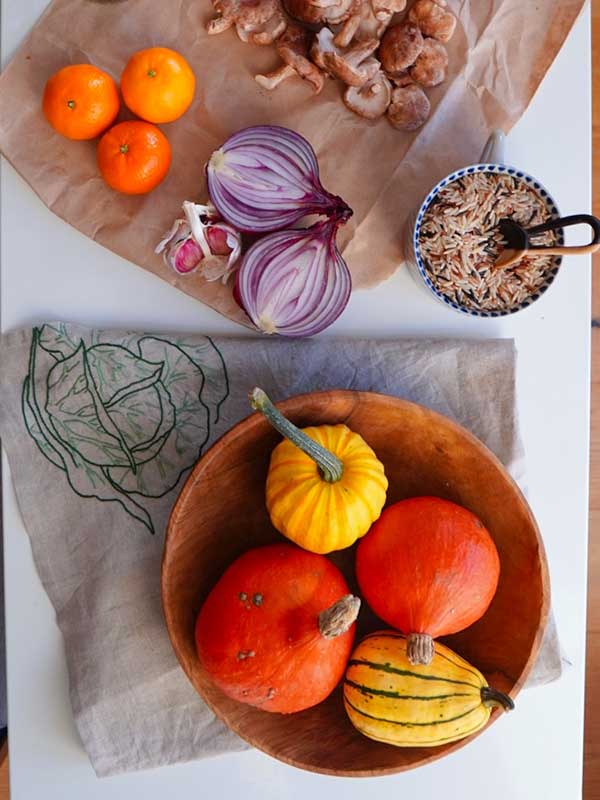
(494, 150)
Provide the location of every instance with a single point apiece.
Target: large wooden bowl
(221, 513)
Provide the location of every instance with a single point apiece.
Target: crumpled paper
(498, 56)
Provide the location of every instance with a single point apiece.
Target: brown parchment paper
(498, 57)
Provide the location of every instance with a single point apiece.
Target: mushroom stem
(272, 80)
(346, 33)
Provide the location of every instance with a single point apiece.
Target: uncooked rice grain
(459, 242)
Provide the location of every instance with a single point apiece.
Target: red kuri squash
(277, 629)
(429, 568)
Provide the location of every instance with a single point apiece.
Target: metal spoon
(518, 238)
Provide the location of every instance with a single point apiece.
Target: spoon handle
(567, 222)
(574, 250)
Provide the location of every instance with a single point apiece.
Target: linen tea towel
(101, 428)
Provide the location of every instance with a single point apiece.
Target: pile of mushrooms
(385, 62)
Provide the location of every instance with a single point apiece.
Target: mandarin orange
(158, 84)
(80, 101)
(134, 157)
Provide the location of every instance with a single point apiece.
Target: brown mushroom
(348, 31)
(319, 12)
(323, 43)
(246, 15)
(409, 108)
(402, 79)
(370, 26)
(431, 67)
(303, 11)
(270, 31)
(341, 11)
(434, 19)
(292, 47)
(400, 47)
(353, 66)
(369, 21)
(219, 24)
(372, 99)
(385, 9)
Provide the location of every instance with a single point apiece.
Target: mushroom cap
(370, 100)
(340, 11)
(371, 26)
(402, 79)
(400, 47)
(431, 67)
(304, 11)
(247, 13)
(386, 8)
(336, 65)
(219, 24)
(317, 12)
(294, 41)
(409, 108)
(323, 43)
(434, 19)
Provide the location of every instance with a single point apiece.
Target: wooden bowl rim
(290, 406)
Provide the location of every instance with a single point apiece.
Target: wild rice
(459, 241)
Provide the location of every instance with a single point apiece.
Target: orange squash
(429, 568)
(277, 630)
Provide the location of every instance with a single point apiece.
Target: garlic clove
(185, 256)
(201, 239)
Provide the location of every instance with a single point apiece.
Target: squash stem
(493, 697)
(330, 466)
(419, 648)
(339, 617)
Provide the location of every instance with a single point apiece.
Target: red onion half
(266, 178)
(294, 282)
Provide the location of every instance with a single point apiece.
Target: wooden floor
(592, 722)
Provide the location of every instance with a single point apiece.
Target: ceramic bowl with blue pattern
(416, 261)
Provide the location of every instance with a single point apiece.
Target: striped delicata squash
(391, 700)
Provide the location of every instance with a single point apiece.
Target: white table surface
(50, 271)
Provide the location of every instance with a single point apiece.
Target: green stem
(330, 466)
(492, 697)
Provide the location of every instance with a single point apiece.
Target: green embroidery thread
(124, 423)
